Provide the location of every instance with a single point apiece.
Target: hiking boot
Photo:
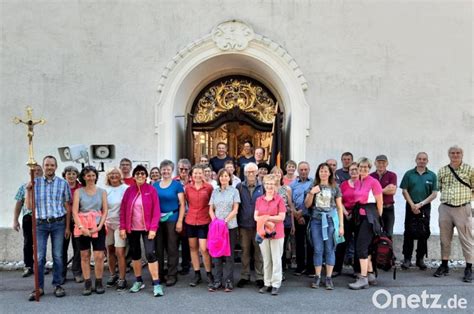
(216, 285)
(467, 275)
(441, 271)
(275, 291)
(259, 283)
(406, 264)
(99, 288)
(196, 280)
(112, 281)
(137, 286)
(59, 292)
(421, 264)
(242, 283)
(158, 291)
(27, 272)
(372, 279)
(360, 283)
(87, 287)
(32, 296)
(228, 286)
(121, 285)
(316, 282)
(329, 284)
(265, 289)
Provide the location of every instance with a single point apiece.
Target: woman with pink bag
(224, 204)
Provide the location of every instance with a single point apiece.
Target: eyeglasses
(140, 173)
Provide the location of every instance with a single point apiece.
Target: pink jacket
(218, 242)
(151, 207)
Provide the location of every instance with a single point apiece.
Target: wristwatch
(80, 227)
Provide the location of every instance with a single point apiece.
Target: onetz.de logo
(383, 299)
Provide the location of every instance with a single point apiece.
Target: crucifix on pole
(30, 123)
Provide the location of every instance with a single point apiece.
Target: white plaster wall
(391, 77)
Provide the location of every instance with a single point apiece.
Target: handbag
(419, 229)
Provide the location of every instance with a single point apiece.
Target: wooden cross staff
(30, 123)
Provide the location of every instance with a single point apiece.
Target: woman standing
(289, 223)
(139, 217)
(270, 210)
(90, 210)
(224, 204)
(70, 174)
(325, 204)
(155, 175)
(367, 216)
(290, 176)
(171, 195)
(347, 189)
(198, 194)
(115, 189)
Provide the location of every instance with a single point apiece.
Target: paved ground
(295, 296)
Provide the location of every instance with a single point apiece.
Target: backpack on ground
(383, 256)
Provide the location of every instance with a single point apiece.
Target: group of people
(206, 210)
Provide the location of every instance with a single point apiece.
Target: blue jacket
(247, 204)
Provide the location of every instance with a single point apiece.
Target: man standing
(53, 215)
(245, 158)
(388, 181)
(332, 163)
(304, 251)
(342, 174)
(126, 168)
(419, 187)
(26, 224)
(217, 162)
(250, 190)
(455, 182)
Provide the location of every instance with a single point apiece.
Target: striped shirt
(50, 196)
(20, 196)
(452, 191)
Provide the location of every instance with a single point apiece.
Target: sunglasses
(140, 173)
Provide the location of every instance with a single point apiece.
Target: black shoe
(228, 286)
(121, 285)
(242, 283)
(265, 289)
(213, 287)
(441, 271)
(467, 275)
(406, 264)
(27, 272)
(99, 288)
(299, 272)
(421, 264)
(259, 283)
(87, 287)
(32, 296)
(171, 281)
(196, 280)
(184, 271)
(336, 274)
(59, 292)
(112, 281)
(274, 291)
(47, 271)
(210, 279)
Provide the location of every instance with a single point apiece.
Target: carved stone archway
(231, 48)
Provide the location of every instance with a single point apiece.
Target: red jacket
(151, 207)
(198, 204)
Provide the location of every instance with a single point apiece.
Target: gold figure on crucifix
(30, 123)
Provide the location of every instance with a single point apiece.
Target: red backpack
(382, 254)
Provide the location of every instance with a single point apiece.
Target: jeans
(56, 231)
(323, 247)
(27, 241)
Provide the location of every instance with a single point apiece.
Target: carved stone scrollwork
(246, 95)
(232, 35)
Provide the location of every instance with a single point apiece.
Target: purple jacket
(151, 207)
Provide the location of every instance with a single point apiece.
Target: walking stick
(30, 123)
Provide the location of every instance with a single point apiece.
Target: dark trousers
(342, 248)
(185, 252)
(27, 240)
(224, 266)
(285, 248)
(167, 240)
(76, 259)
(304, 251)
(388, 218)
(408, 241)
